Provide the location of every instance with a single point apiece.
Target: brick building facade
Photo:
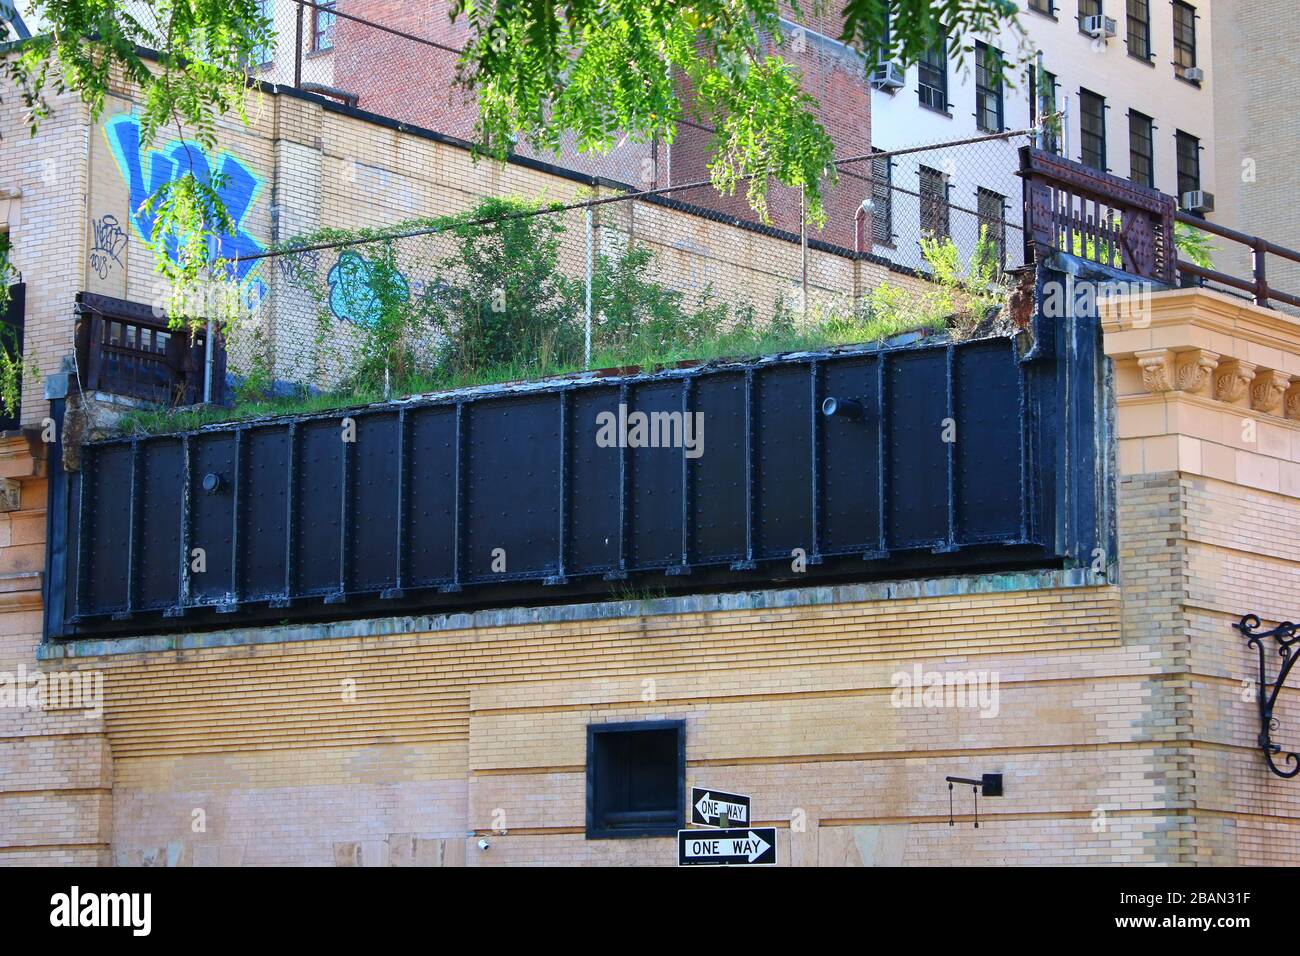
(1124, 730)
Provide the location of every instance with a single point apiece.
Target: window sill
(1043, 13)
(634, 833)
(935, 109)
(1148, 61)
(1192, 83)
(312, 54)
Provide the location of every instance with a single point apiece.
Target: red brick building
(414, 81)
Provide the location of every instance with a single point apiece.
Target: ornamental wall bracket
(1196, 369)
(1284, 636)
(1267, 391)
(1232, 380)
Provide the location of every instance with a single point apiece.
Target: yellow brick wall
(461, 730)
(55, 766)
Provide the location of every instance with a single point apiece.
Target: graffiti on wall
(352, 294)
(147, 171)
(109, 243)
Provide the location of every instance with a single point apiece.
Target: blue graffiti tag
(148, 171)
(352, 295)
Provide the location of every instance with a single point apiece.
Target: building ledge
(1002, 583)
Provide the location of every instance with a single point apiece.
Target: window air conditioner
(887, 76)
(1099, 27)
(1198, 200)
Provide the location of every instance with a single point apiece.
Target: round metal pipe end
(833, 407)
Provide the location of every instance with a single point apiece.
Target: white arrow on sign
(751, 847)
(710, 807)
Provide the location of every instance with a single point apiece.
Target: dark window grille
(1184, 37)
(1141, 149)
(1043, 6)
(932, 72)
(1088, 8)
(323, 20)
(935, 211)
(1189, 162)
(124, 349)
(636, 775)
(1139, 28)
(988, 88)
(882, 200)
(992, 209)
(1092, 128)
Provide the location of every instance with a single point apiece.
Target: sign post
(731, 841)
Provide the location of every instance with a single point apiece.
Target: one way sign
(747, 846)
(708, 806)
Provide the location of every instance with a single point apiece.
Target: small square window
(636, 779)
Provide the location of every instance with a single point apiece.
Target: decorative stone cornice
(1233, 380)
(1267, 391)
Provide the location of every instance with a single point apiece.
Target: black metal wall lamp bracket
(1285, 637)
(990, 784)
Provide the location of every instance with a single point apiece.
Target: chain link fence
(651, 266)
(517, 288)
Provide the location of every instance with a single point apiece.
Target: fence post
(297, 51)
(1259, 249)
(587, 338)
(803, 253)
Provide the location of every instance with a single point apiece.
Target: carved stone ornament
(1267, 391)
(1232, 379)
(1291, 401)
(1157, 367)
(1196, 369)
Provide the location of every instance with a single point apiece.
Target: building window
(1088, 8)
(934, 204)
(882, 200)
(1184, 37)
(1189, 162)
(322, 32)
(932, 70)
(992, 209)
(1046, 83)
(988, 88)
(1043, 6)
(1092, 128)
(1139, 29)
(1141, 149)
(636, 779)
(265, 53)
(886, 42)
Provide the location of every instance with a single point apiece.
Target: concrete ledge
(605, 610)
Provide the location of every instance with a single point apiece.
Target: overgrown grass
(736, 343)
(507, 312)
